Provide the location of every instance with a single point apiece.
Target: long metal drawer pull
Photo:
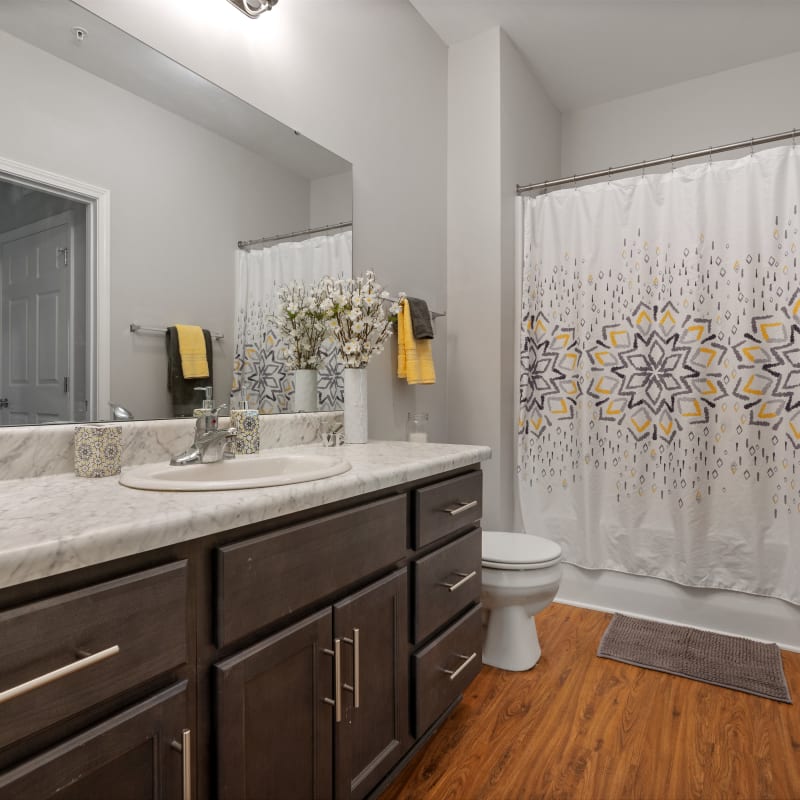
(454, 673)
(465, 576)
(56, 674)
(460, 508)
(356, 643)
(337, 679)
(184, 747)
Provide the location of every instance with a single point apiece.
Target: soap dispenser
(246, 422)
(208, 402)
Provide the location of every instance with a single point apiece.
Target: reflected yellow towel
(192, 347)
(414, 356)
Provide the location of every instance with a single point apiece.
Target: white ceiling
(590, 51)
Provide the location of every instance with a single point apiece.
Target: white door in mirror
(243, 472)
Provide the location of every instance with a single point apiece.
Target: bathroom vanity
(290, 642)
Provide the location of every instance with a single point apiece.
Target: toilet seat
(518, 551)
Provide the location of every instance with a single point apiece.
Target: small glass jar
(417, 427)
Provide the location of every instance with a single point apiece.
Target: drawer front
(110, 637)
(447, 507)
(265, 578)
(446, 582)
(444, 668)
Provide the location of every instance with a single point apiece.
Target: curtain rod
(708, 151)
(322, 229)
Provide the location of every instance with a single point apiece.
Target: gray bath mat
(728, 661)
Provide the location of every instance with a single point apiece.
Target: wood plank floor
(579, 727)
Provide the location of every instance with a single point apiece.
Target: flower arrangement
(302, 324)
(358, 317)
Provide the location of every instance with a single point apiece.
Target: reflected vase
(355, 405)
(305, 390)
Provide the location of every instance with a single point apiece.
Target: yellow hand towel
(414, 357)
(192, 347)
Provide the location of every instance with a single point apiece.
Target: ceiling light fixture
(253, 8)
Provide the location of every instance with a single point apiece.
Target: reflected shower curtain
(260, 375)
(659, 425)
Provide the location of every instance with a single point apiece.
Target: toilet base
(510, 639)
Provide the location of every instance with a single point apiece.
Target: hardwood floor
(578, 727)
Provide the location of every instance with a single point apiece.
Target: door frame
(98, 268)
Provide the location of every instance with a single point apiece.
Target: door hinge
(64, 253)
(66, 385)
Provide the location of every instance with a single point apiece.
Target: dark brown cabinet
(320, 709)
(274, 729)
(300, 658)
(372, 627)
(139, 754)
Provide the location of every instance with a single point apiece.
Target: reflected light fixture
(253, 8)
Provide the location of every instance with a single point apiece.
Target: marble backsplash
(33, 451)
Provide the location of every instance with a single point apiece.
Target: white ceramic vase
(355, 405)
(305, 390)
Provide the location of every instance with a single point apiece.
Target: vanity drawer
(446, 507)
(444, 668)
(266, 578)
(446, 582)
(110, 637)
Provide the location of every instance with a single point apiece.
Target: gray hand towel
(421, 322)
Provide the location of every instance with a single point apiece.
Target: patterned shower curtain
(659, 425)
(259, 373)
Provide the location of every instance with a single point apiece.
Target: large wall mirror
(126, 183)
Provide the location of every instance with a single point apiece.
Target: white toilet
(519, 577)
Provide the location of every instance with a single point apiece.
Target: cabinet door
(372, 737)
(274, 727)
(134, 755)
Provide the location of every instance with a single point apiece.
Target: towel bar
(136, 328)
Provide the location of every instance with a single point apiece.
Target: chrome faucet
(211, 443)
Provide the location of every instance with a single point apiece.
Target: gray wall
(501, 125)
(725, 107)
(181, 197)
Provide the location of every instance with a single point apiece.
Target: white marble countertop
(58, 523)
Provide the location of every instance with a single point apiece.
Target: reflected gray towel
(421, 322)
(182, 390)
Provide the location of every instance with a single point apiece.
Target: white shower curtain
(260, 375)
(659, 425)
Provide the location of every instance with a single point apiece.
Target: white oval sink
(242, 472)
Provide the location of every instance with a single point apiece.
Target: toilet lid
(503, 550)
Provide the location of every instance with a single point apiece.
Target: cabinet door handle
(465, 577)
(454, 673)
(459, 508)
(184, 747)
(356, 643)
(337, 679)
(56, 674)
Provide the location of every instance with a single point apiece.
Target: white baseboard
(765, 619)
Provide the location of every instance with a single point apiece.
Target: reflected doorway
(43, 306)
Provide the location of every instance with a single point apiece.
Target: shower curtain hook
(794, 140)
(575, 182)
(751, 146)
(672, 161)
(643, 165)
(710, 148)
(545, 188)
(609, 175)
